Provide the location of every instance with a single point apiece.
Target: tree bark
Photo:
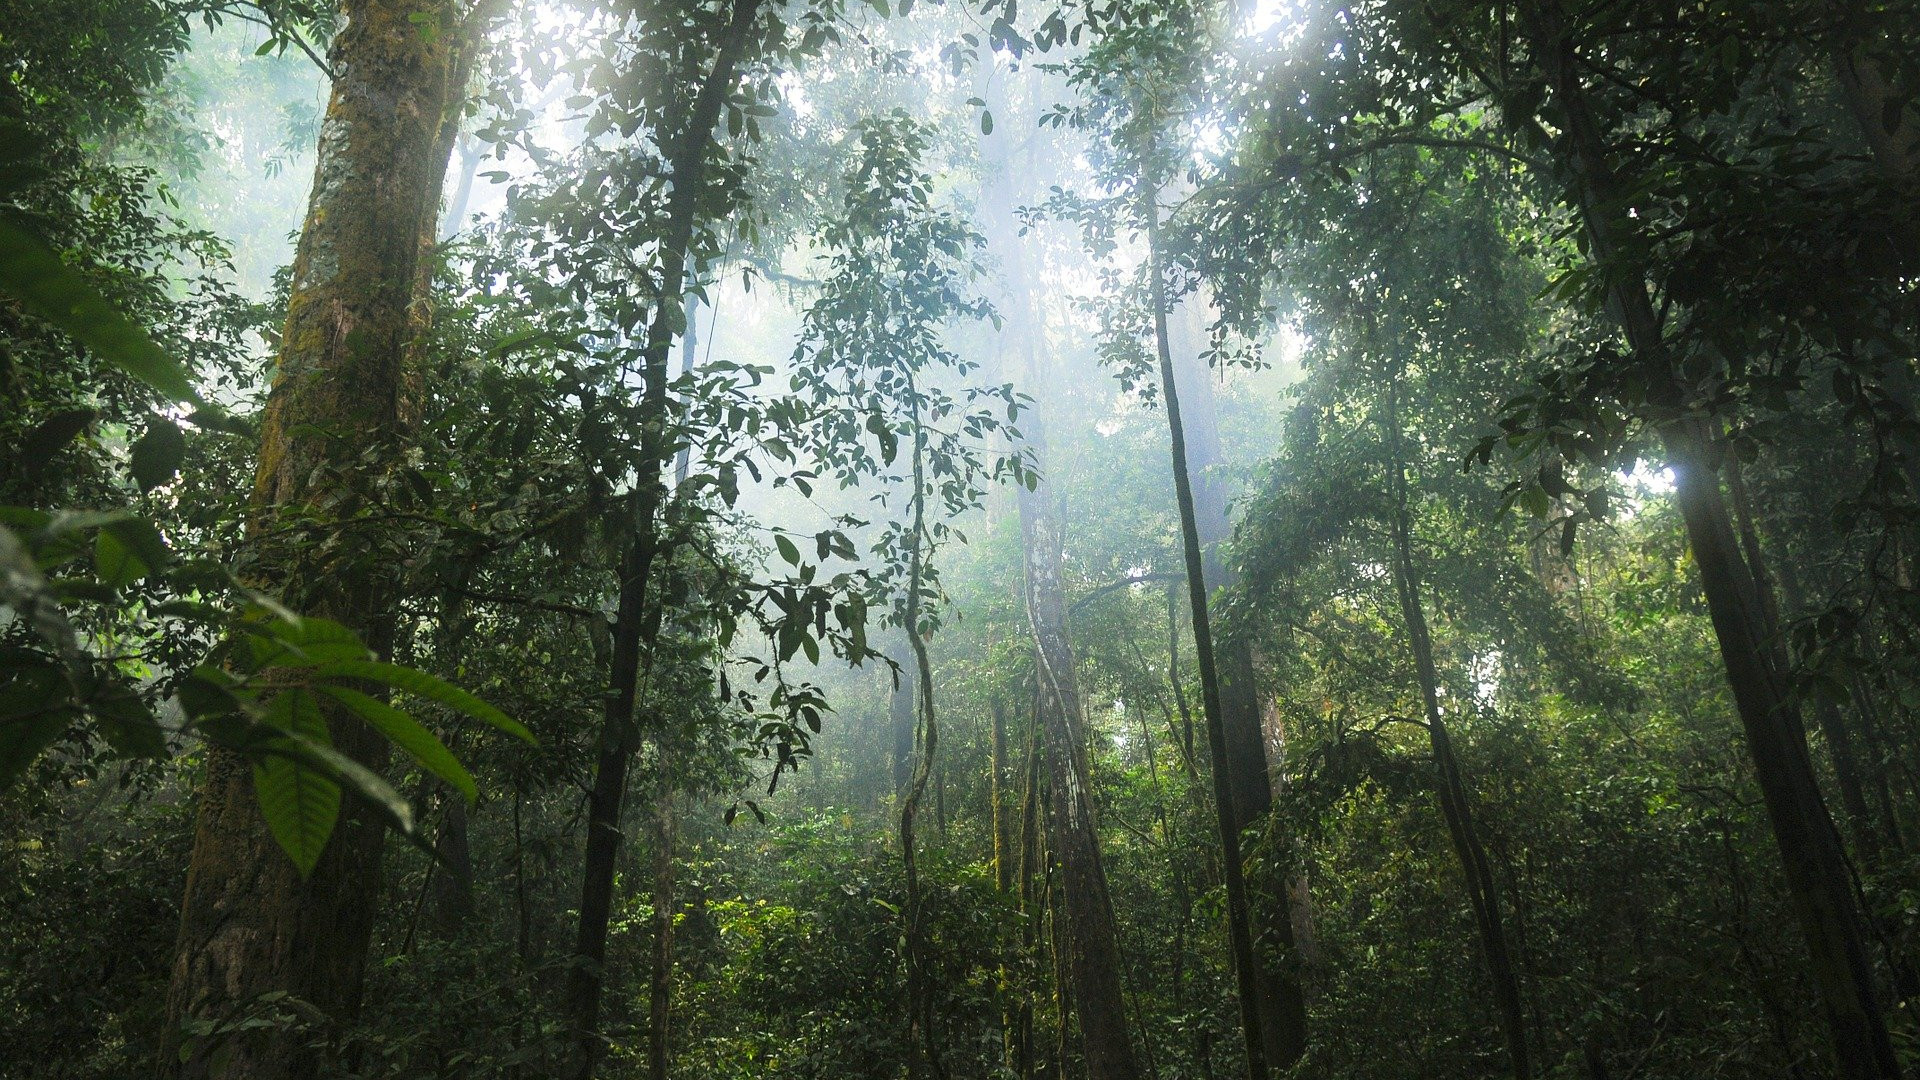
(1239, 925)
(924, 1048)
(1814, 866)
(249, 924)
(900, 715)
(1455, 805)
(1091, 946)
(1021, 1053)
(1278, 996)
(636, 620)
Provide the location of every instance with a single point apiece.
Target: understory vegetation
(797, 539)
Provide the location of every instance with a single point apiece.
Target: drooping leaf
(115, 563)
(304, 642)
(56, 431)
(34, 712)
(127, 722)
(421, 684)
(34, 275)
(156, 455)
(409, 735)
(299, 801)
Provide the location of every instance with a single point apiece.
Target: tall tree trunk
(1455, 805)
(924, 1047)
(900, 714)
(997, 791)
(1826, 715)
(637, 620)
(451, 899)
(1277, 990)
(1092, 962)
(1022, 1055)
(249, 925)
(1246, 968)
(1814, 866)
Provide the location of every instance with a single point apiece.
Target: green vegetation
(955, 540)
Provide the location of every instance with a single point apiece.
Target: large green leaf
(302, 641)
(33, 274)
(35, 710)
(409, 735)
(421, 684)
(298, 799)
(156, 455)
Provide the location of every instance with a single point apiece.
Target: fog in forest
(1099, 540)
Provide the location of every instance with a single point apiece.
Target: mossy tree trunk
(337, 413)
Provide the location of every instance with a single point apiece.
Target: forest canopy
(1092, 540)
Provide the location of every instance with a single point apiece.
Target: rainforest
(960, 539)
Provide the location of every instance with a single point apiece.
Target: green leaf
(127, 723)
(299, 801)
(140, 537)
(421, 684)
(115, 563)
(788, 549)
(986, 122)
(304, 642)
(157, 454)
(34, 713)
(56, 431)
(31, 273)
(410, 735)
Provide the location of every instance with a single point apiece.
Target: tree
(251, 923)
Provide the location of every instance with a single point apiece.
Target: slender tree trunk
(471, 153)
(1002, 861)
(1246, 968)
(1022, 1051)
(924, 1046)
(1814, 866)
(249, 925)
(1827, 718)
(1092, 946)
(637, 620)
(900, 715)
(451, 899)
(1277, 991)
(1455, 805)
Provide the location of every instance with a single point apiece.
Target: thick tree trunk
(1277, 989)
(1246, 968)
(637, 618)
(1888, 119)
(249, 924)
(1455, 805)
(1814, 866)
